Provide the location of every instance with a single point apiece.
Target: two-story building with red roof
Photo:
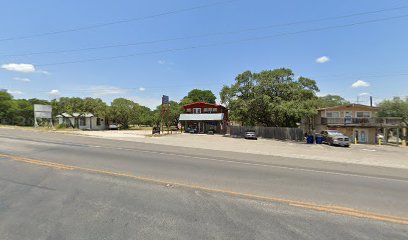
(202, 117)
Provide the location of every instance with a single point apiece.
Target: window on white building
(333, 114)
(82, 121)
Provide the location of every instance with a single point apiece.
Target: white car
(113, 127)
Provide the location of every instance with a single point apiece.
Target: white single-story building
(82, 121)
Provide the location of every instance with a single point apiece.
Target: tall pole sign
(165, 112)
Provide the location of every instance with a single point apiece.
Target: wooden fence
(295, 134)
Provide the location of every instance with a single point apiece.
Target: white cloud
(360, 83)
(363, 94)
(43, 72)
(164, 62)
(54, 92)
(15, 92)
(22, 79)
(142, 89)
(323, 59)
(19, 67)
(322, 94)
(98, 91)
(23, 68)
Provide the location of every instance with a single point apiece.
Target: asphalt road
(56, 186)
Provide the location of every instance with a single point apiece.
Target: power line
(116, 22)
(361, 75)
(102, 89)
(226, 42)
(207, 34)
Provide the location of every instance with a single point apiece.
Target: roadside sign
(42, 111)
(165, 99)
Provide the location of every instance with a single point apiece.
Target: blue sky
(374, 53)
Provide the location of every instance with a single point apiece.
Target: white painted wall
(88, 122)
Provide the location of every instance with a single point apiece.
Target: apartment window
(363, 114)
(82, 121)
(207, 110)
(332, 114)
(188, 110)
(214, 110)
(197, 110)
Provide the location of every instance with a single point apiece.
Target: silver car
(333, 137)
(250, 134)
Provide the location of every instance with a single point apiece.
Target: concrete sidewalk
(373, 155)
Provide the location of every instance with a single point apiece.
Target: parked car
(211, 132)
(192, 130)
(250, 134)
(156, 130)
(113, 127)
(333, 137)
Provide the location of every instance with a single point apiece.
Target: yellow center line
(354, 214)
(307, 205)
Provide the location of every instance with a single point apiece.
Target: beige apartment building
(357, 121)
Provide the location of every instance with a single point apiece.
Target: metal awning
(202, 117)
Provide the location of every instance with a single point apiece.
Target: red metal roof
(203, 103)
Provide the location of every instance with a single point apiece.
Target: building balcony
(376, 121)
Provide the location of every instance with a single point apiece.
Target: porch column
(385, 135)
(398, 131)
(404, 136)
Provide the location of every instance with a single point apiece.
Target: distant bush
(62, 125)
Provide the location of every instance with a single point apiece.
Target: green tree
(270, 98)
(95, 106)
(146, 116)
(331, 101)
(124, 112)
(8, 108)
(396, 107)
(173, 119)
(197, 95)
(70, 105)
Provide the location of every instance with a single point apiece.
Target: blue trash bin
(309, 139)
(319, 139)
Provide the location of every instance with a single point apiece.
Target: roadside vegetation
(270, 98)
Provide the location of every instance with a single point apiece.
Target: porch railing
(361, 121)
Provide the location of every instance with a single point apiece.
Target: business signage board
(42, 111)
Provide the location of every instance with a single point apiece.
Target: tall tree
(331, 101)
(175, 111)
(95, 106)
(197, 95)
(270, 98)
(146, 116)
(124, 112)
(8, 108)
(396, 107)
(70, 105)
